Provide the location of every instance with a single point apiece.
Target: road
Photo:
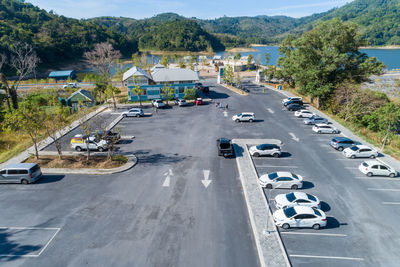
(160, 214)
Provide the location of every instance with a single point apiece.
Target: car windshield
(260, 147)
(317, 212)
(289, 212)
(272, 175)
(311, 197)
(240, 114)
(365, 164)
(354, 148)
(290, 197)
(295, 176)
(225, 145)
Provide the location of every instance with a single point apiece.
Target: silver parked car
(376, 168)
(265, 150)
(314, 120)
(24, 173)
(133, 112)
(281, 180)
(360, 151)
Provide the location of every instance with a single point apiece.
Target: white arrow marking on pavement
(225, 114)
(168, 178)
(270, 111)
(206, 182)
(294, 137)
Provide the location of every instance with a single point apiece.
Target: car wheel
(285, 226)
(78, 148)
(300, 116)
(294, 187)
(137, 115)
(340, 148)
(276, 155)
(334, 132)
(353, 157)
(319, 132)
(369, 174)
(124, 115)
(392, 175)
(237, 120)
(316, 226)
(251, 120)
(268, 186)
(256, 154)
(372, 156)
(24, 181)
(101, 149)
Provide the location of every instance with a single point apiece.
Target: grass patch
(79, 161)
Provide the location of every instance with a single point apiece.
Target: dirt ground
(79, 161)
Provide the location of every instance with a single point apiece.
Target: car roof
(322, 124)
(20, 166)
(300, 195)
(304, 110)
(247, 113)
(303, 209)
(284, 174)
(374, 162)
(363, 146)
(339, 138)
(224, 140)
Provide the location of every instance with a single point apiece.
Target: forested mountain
(56, 38)
(166, 31)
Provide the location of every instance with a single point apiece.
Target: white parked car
(300, 216)
(265, 150)
(360, 151)
(78, 143)
(297, 199)
(281, 180)
(244, 116)
(304, 113)
(70, 85)
(291, 98)
(133, 112)
(374, 167)
(158, 103)
(324, 128)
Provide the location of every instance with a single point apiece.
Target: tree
(100, 87)
(137, 90)
(324, 57)
(3, 80)
(190, 94)
(28, 119)
(56, 119)
(269, 72)
(228, 75)
(24, 60)
(102, 57)
(267, 57)
(237, 56)
(165, 60)
(249, 61)
(258, 60)
(111, 91)
(136, 60)
(238, 79)
(167, 92)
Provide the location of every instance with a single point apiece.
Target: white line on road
(391, 203)
(270, 111)
(294, 137)
(384, 189)
(166, 181)
(351, 168)
(266, 166)
(325, 257)
(321, 234)
(349, 160)
(378, 178)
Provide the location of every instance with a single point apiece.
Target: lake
(390, 57)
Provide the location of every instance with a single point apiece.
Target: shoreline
(241, 49)
(388, 47)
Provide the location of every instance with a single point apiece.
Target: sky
(204, 9)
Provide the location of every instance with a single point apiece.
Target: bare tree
(102, 57)
(24, 60)
(3, 80)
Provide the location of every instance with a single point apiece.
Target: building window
(181, 90)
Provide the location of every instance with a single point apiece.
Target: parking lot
(160, 213)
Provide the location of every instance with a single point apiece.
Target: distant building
(63, 75)
(152, 84)
(81, 96)
(217, 57)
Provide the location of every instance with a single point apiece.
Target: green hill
(56, 38)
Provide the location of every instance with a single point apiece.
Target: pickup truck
(79, 144)
(225, 147)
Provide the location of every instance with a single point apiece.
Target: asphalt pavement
(160, 213)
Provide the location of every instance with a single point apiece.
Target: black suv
(294, 101)
(225, 147)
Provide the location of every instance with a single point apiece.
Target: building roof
(174, 75)
(157, 66)
(61, 73)
(85, 93)
(135, 71)
(217, 57)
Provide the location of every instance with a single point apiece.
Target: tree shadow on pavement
(217, 95)
(12, 250)
(159, 159)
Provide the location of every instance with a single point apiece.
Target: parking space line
(391, 203)
(351, 168)
(319, 234)
(265, 166)
(379, 178)
(384, 189)
(51, 239)
(325, 257)
(350, 160)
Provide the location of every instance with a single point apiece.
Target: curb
(238, 91)
(132, 161)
